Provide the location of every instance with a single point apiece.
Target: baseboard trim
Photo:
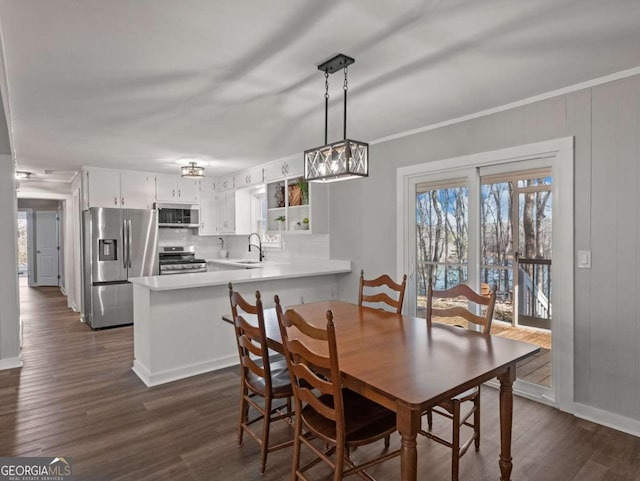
(164, 377)
(10, 363)
(606, 418)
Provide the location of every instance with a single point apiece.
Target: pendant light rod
(326, 106)
(339, 62)
(344, 120)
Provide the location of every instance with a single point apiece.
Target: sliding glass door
(486, 230)
(442, 237)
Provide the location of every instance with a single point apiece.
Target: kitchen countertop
(269, 270)
(244, 263)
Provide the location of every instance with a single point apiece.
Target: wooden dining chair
(258, 376)
(376, 291)
(452, 408)
(331, 419)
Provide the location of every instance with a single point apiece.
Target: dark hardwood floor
(76, 396)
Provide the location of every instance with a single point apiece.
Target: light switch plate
(584, 259)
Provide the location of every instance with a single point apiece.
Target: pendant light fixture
(192, 171)
(342, 160)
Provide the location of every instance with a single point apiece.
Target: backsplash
(293, 245)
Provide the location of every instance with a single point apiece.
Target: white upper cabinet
(226, 203)
(114, 188)
(173, 188)
(249, 178)
(225, 183)
(208, 207)
(283, 169)
(135, 190)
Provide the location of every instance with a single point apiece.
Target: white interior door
(46, 233)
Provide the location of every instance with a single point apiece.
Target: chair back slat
(377, 291)
(466, 294)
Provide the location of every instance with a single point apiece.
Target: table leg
(408, 421)
(506, 421)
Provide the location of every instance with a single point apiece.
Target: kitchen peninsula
(177, 328)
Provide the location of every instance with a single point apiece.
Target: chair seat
(280, 381)
(365, 420)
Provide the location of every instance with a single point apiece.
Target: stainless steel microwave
(178, 215)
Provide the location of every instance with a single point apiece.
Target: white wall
(9, 312)
(605, 121)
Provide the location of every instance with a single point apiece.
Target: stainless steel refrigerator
(118, 244)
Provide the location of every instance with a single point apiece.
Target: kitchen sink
(247, 262)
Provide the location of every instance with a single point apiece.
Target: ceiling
(140, 85)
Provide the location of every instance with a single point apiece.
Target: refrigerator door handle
(129, 241)
(124, 244)
(125, 247)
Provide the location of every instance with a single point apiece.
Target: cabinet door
(226, 212)
(295, 168)
(225, 183)
(274, 171)
(248, 178)
(230, 208)
(208, 213)
(207, 186)
(103, 188)
(166, 188)
(187, 190)
(134, 190)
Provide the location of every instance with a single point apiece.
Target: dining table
(408, 366)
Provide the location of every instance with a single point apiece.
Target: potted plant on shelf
(280, 222)
(303, 224)
(304, 192)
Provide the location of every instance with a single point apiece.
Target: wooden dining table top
(395, 358)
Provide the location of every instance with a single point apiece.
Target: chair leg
(244, 411)
(476, 420)
(339, 467)
(297, 432)
(387, 440)
(429, 420)
(266, 423)
(455, 442)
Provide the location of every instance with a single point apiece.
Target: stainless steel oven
(180, 260)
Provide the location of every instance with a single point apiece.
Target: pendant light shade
(342, 160)
(192, 171)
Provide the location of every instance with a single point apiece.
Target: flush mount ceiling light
(192, 171)
(342, 160)
(23, 175)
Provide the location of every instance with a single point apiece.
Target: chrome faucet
(259, 246)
